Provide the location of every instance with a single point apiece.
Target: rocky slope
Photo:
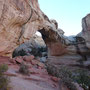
(38, 79)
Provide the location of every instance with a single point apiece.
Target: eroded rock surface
(86, 29)
(19, 20)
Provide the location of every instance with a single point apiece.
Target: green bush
(3, 68)
(82, 77)
(68, 76)
(4, 80)
(19, 53)
(63, 73)
(24, 69)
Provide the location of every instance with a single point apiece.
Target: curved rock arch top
(19, 20)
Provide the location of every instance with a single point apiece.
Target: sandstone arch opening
(35, 46)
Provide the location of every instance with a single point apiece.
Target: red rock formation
(19, 20)
(13, 15)
(54, 39)
(56, 49)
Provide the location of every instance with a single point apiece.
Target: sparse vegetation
(80, 76)
(64, 74)
(19, 53)
(4, 80)
(32, 50)
(66, 78)
(24, 69)
(38, 51)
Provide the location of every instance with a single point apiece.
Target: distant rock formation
(86, 30)
(77, 49)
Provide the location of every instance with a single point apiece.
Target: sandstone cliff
(19, 20)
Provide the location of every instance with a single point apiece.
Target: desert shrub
(19, 53)
(24, 69)
(63, 73)
(82, 77)
(34, 51)
(51, 69)
(4, 80)
(38, 51)
(68, 76)
(3, 68)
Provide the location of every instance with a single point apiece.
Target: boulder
(28, 58)
(43, 59)
(18, 60)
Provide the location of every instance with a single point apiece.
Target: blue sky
(68, 13)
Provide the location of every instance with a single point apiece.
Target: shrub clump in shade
(24, 69)
(4, 80)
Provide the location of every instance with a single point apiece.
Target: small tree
(24, 69)
(4, 80)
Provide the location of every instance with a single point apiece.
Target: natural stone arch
(19, 20)
(55, 43)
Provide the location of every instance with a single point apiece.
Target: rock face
(13, 15)
(54, 39)
(86, 30)
(19, 20)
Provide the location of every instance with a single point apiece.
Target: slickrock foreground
(39, 79)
